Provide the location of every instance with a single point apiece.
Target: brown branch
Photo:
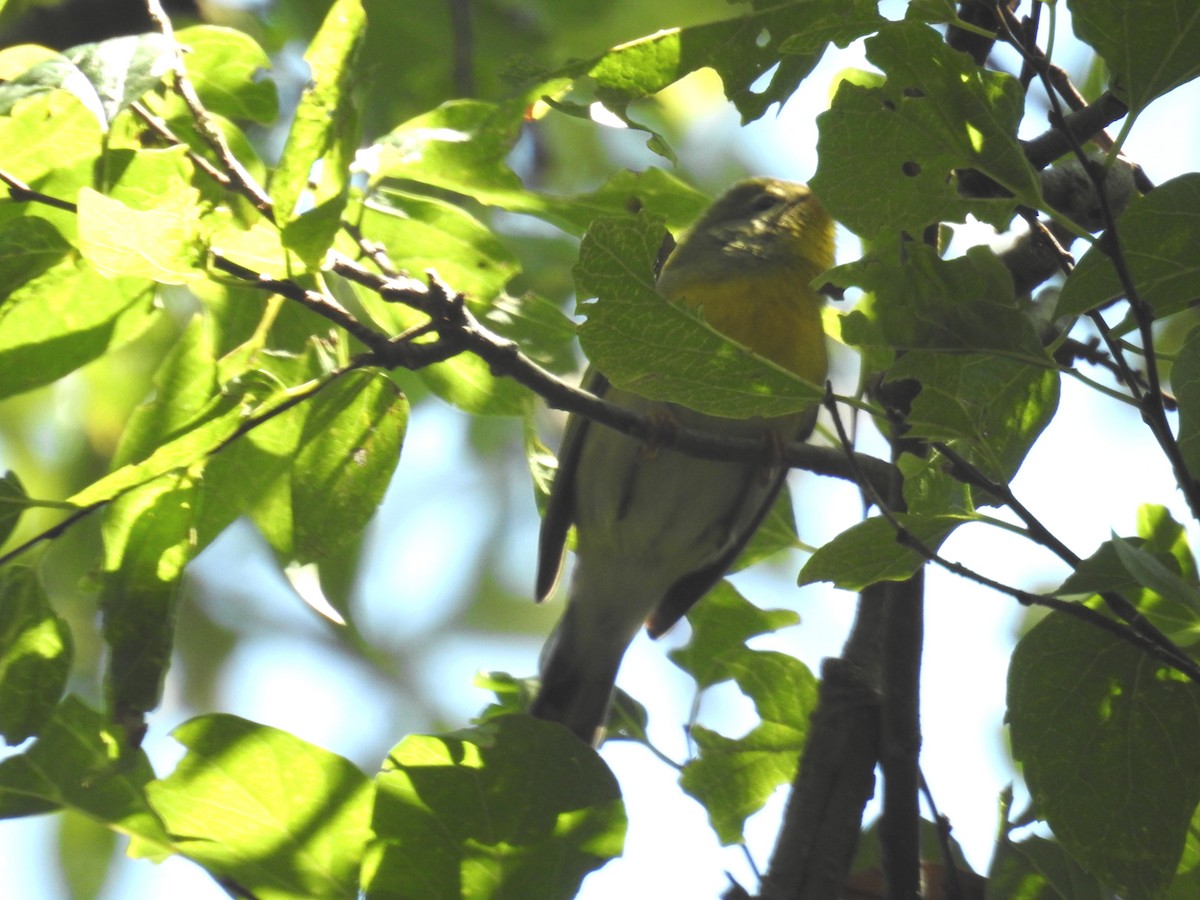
(1075, 128)
(242, 181)
(1165, 652)
(1150, 402)
(900, 734)
(23, 193)
(163, 130)
(969, 474)
(455, 324)
(821, 824)
(901, 638)
(458, 332)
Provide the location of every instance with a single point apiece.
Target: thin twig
(242, 181)
(295, 397)
(1150, 402)
(160, 127)
(53, 531)
(1078, 126)
(322, 304)
(942, 825)
(457, 325)
(458, 331)
(23, 193)
(964, 471)
(1124, 630)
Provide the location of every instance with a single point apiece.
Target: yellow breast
(775, 314)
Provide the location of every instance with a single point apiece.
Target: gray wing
(687, 591)
(560, 508)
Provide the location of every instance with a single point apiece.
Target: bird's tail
(579, 670)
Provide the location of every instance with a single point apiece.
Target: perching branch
(458, 331)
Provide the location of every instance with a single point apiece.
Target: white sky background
(1086, 477)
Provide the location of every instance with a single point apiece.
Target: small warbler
(655, 529)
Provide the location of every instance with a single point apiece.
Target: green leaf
(325, 128)
(1187, 880)
(463, 146)
(348, 451)
(733, 777)
(162, 244)
(985, 378)
(776, 533)
(1153, 574)
(654, 190)
(1154, 571)
(741, 50)
(106, 77)
(929, 489)
(1185, 382)
(79, 762)
(932, 12)
(185, 383)
(661, 350)
(423, 233)
(1148, 55)
(1159, 234)
(208, 430)
(52, 143)
(122, 69)
(35, 655)
(1040, 869)
(224, 65)
(277, 816)
(63, 319)
(149, 537)
(258, 247)
(13, 501)
(252, 476)
(991, 408)
(887, 153)
(1186, 385)
(1106, 738)
(466, 381)
(539, 325)
(920, 301)
(870, 551)
(867, 175)
(1165, 536)
(1100, 572)
(87, 853)
(29, 247)
(970, 113)
(721, 625)
(54, 73)
(512, 694)
(515, 807)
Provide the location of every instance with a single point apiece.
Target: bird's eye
(764, 202)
